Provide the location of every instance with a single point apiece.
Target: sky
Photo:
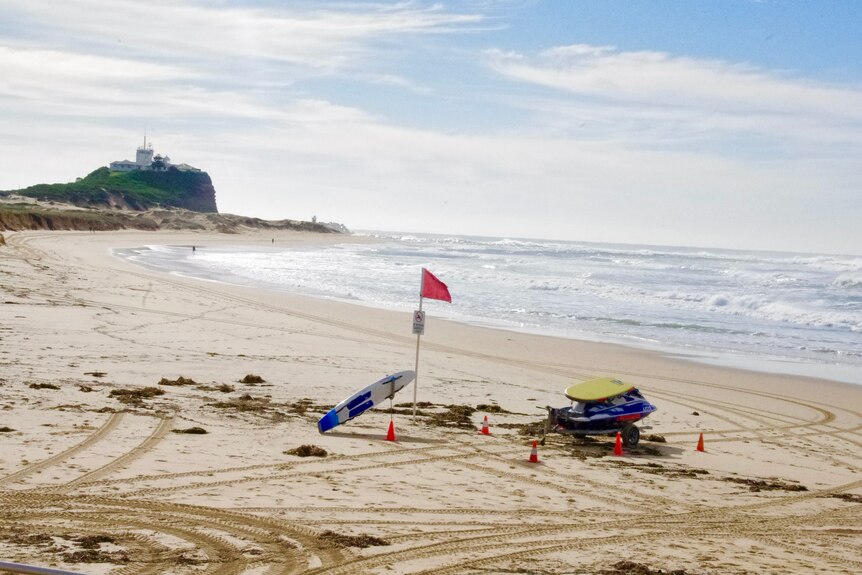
(709, 123)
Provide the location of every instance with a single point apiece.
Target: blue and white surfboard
(365, 399)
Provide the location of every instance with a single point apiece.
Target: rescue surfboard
(365, 399)
(597, 389)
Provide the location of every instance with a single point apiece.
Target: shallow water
(771, 311)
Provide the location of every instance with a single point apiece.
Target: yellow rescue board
(597, 389)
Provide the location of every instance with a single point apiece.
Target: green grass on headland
(138, 190)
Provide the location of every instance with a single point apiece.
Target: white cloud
(317, 39)
(396, 81)
(659, 78)
(77, 84)
(373, 175)
(653, 100)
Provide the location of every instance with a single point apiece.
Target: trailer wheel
(631, 435)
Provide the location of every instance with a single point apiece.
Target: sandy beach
(108, 369)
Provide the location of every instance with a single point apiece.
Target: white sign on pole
(419, 322)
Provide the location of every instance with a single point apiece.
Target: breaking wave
(794, 307)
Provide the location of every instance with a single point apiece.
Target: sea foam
(792, 308)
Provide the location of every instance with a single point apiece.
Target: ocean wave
(763, 307)
(745, 302)
(848, 281)
(835, 352)
(828, 263)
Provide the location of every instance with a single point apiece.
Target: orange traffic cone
(700, 443)
(618, 446)
(534, 454)
(485, 430)
(390, 435)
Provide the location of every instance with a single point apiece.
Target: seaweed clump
(244, 403)
(626, 567)
(95, 556)
(43, 386)
(224, 388)
(301, 406)
(491, 408)
(756, 485)
(192, 431)
(361, 541)
(178, 381)
(658, 469)
(454, 416)
(90, 546)
(307, 451)
(135, 396)
(848, 497)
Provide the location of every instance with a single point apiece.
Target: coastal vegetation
(147, 200)
(30, 216)
(136, 190)
(22, 215)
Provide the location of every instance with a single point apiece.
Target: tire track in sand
(163, 427)
(100, 434)
(232, 541)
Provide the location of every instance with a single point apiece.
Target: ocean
(777, 312)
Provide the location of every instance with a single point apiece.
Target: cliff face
(189, 190)
(33, 218)
(20, 216)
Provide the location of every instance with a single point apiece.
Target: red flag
(432, 288)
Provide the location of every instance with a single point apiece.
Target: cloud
(396, 81)
(140, 61)
(349, 167)
(655, 99)
(83, 57)
(656, 77)
(74, 84)
(319, 38)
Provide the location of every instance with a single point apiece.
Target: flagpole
(418, 335)
(436, 290)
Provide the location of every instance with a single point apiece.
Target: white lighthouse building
(144, 155)
(143, 160)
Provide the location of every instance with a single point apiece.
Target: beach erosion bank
(83, 333)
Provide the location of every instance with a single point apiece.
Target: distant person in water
(193, 248)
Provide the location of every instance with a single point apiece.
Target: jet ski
(601, 406)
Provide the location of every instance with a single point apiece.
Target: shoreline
(720, 359)
(88, 453)
(723, 358)
(397, 322)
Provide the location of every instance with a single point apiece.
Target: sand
(95, 478)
